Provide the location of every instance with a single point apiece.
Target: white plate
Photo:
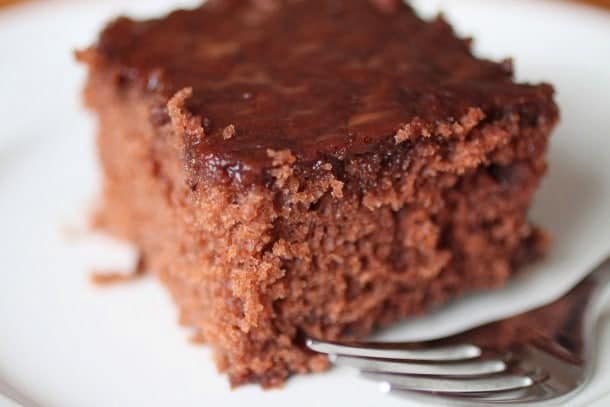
(66, 343)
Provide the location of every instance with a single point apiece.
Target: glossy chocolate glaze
(323, 78)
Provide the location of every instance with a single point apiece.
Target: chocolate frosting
(318, 77)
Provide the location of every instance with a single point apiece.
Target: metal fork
(543, 356)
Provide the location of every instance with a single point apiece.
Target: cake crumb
(445, 129)
(281, 249)
(411, 131)
(182, 120)
(404, 134)
(229, 132)
(319, 363)
(111, 277)
(473, 116)
(281, 157)
(336, 188)
(198, 338)
(176, 104)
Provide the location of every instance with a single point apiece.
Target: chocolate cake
(318, 168)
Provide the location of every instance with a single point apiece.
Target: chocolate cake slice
(312, 168)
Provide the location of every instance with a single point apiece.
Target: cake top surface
(318, 77)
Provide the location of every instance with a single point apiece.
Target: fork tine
(522, 396)
(477, 368)
(396, 351)
(500, 382)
